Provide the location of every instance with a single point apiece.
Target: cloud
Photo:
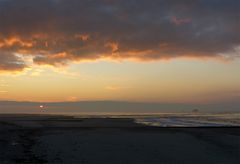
(11, 62)
(178, 21)
(113, 88)
(72, 98)
(57, 32)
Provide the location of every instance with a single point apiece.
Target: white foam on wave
(222, 120)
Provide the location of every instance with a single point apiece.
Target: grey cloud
(10, 62)
(141, 29)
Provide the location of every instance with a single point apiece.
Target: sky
(164, 51)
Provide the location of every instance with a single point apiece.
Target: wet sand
(63, 139)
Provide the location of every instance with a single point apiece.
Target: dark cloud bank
(56, 32)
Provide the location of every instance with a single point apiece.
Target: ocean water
(190, 120)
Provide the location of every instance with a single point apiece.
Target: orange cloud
(13, 41)
(53, 59)
(113, 88)
(113, 46)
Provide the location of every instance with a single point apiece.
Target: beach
(57, 139)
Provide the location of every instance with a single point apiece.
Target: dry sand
(63, 139)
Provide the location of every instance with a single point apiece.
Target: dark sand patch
(60, 139)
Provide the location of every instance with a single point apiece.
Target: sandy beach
(65, 140)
